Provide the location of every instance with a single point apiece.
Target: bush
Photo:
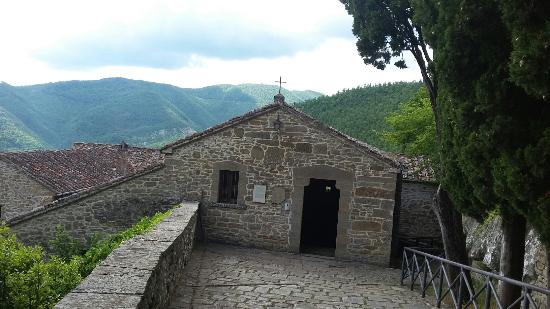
(28, 280)
(44, 284)
(64, 245)
(100, 249)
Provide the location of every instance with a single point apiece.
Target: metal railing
(432, 271)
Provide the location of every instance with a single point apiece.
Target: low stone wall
(143, 271)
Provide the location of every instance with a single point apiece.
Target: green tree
(27, 280)
(385, 30)
(529, 28)
(496, 139)
(412, 127)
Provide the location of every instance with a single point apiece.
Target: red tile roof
(84, 166)
(417, 168)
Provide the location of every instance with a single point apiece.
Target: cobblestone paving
(221, 276)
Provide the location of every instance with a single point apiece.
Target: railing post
(412, 268)
(403, 265)
(489, 294)
(440, 287)
(460, 289)
(424, 277)
(525, 304)
(413, 271)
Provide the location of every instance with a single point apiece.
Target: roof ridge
(259, 111)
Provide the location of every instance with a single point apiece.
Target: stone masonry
(275, 146)
(284, 160)
(20, 193)
(416, 217)
(143, 271)
(103, 211)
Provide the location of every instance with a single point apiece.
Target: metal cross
(280, 81)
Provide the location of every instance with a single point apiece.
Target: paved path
(221, 276)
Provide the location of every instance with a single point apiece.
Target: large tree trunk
(450, 223)
(512, 255)
(452, 234)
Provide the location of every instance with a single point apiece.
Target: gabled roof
(272, 107)
(84, 166)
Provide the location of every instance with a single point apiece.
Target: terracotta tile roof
(84, 166)
(274, 106)
(417, 168)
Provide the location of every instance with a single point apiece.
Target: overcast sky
(187, 43)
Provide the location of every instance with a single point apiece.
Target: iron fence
(428, 270)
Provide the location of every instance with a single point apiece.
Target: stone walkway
(221, 276)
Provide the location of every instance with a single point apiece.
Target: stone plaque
(278, 195)
(258, 196)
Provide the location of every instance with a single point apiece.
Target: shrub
(64, 245)
(102, 248)
(27, 280)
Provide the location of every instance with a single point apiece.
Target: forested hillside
(361, 112)
(110, 110)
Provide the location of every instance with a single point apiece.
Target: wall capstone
(143, 271)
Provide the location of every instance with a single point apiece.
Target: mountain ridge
(109, 110)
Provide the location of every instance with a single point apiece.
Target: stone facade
(284, 160)
(416, 217)
(103, 211)
(277, 147)
(20, 193)
(143, 271)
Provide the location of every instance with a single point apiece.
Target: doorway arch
(343, 182)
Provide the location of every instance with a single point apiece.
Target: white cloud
(28, 28)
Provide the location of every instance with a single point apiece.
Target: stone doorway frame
(344, 183)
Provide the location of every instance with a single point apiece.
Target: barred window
(228, 188)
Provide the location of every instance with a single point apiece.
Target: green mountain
(110, 110)
(361, 112)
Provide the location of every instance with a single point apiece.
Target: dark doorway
(320, 217)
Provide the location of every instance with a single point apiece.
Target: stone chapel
(273, 178)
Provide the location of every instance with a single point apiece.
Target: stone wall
(270, 157)
(143, 271)
(20, 193)
(102, 211)
(416, 217)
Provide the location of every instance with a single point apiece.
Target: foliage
(15, 136)
(360, 112)
(29, 280)
(412, 127)
(529, 28)
(26, 280)
(100, 249)
(495, 150)
(115, 109)
(386, 29)
(64, 245)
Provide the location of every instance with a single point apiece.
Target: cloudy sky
(187, 43)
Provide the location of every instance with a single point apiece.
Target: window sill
(227, 205)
